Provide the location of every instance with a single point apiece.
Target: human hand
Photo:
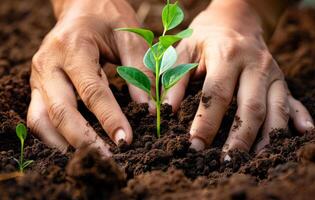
(68, 60)
(228, 43)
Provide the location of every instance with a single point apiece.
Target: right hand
(234, 59)
(68, 60)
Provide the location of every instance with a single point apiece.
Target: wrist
(236, 15)
(77, 8)
(61, 6)
(249, 16)
(269, 12)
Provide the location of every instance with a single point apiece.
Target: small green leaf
(168, 60)
(21, 131)
(173, 75)
(27, 163)
(17, 161)
(168, 40)
(148, 59)
(185, 33)
(144, 33)
(136, 77)
(172, 16)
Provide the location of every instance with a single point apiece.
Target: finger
(91, 83)
(175, 95)
(39, 123)
(278, 110)
(216, 96)
(61, 103)
(302, 119)
(251, 112)
(132, 50)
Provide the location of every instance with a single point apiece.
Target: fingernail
(197, 144)
(227, 158)
(119, 135)
(309, 125)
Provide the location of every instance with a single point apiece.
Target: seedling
(160, 58)
(21, 133)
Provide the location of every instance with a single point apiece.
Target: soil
(152, 168)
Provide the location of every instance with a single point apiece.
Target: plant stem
(164, 32)
(21, 157)
(158, 100)
(157, 91)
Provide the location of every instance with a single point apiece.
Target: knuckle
(57, 113)
(240, 143)
(33, 123)
(230, 50)
(60, 39)
(91, 93)
(268, 64)
(220, 92)
(227, 49)
(205, 129)
(83, 37)
(79, 38)
(282, 108)
(107, 117)
(71, 39)
(264, 65)
(33, 81)
(38, 62)
(263, 74)
(256, 108)
(56, 40)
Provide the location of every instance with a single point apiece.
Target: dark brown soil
(152, 168)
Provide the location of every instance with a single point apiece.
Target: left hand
(68, 62)
(234, 57)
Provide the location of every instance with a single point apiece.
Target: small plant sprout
(21, 133)
(160, 58)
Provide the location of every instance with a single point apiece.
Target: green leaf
(144, 33)
(135, 77)
(185, 33)
(168, 40)
(168, 60)
(21, 131)
(17, 161)
(173, 75)
(148, 59)
(27, 163)
(172, 16)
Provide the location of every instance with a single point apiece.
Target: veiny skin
(68, 60)
(228, 42)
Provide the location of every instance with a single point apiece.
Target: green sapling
(21, 133)
(160, 59)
